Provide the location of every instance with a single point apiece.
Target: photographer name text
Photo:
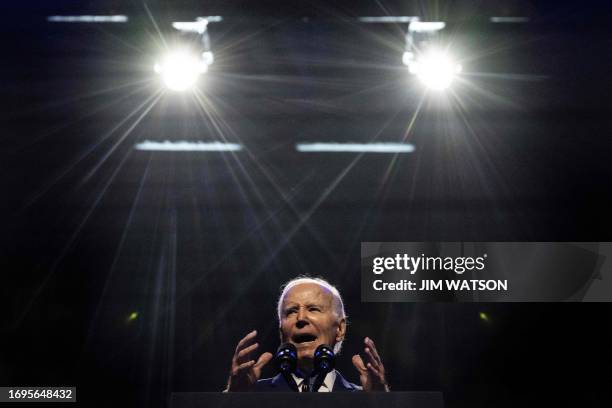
(442, 285)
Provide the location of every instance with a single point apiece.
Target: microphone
(324, 359)
(286, 362)
(286, 358)
(324, 362)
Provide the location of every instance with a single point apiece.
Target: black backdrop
(133, 274)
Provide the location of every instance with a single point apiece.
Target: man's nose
(302, 318)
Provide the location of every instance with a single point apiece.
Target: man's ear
(341, 330)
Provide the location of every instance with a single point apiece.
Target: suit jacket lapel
(341, 385)
(280, 384)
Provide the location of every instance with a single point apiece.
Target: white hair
(338, 304)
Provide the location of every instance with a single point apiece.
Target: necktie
(305, 386)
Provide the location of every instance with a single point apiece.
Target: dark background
(197, 244)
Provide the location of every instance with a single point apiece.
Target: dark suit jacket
(278, 384)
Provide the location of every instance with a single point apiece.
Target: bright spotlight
(436, 70)
(180, 70)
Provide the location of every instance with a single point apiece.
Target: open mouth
(303, 338)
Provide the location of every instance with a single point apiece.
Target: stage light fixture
(120, 18)
(180, 70)
(435, 69)
(324, 147)
(187, 146)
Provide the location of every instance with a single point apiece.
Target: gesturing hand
(245, 370)
(371, 373)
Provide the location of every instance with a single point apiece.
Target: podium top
(429, 399)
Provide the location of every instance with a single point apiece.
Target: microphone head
(286, 358)
(324, 359)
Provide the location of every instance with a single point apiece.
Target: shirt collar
(328, 381)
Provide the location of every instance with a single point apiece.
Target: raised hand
(372, 372)
(245, 370)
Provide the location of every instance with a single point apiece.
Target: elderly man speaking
(310, 313)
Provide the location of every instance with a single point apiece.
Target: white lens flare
(436, 70)
(180, 70)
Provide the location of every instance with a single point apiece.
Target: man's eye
(290, 311)
(314, 309)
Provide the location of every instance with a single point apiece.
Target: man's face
(308, 319)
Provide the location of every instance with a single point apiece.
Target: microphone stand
(290, 380)
(317, 381)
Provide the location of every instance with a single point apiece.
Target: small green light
(133, 316)
(483, 316)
